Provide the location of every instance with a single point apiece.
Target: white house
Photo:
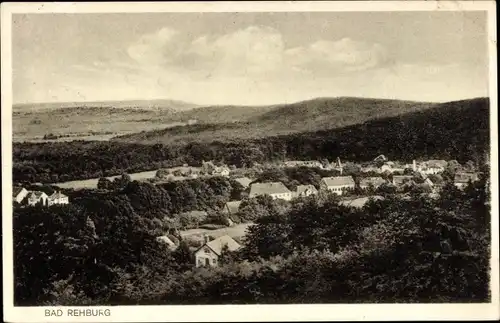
(431, 166)
(276, 190)
(338, 184)
(36, 197)
(305, 190)
(375, 182)
(57, 198)
(19, 193)
(210, 252)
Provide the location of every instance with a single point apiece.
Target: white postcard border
(224, 313)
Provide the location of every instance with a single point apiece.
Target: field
(92, 120)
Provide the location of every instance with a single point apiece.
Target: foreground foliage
(315, 251)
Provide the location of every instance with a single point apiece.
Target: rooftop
(268, 188)
(232, 207)
(218, 244)
(338, 180)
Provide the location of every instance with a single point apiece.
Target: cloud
(253, 51)
(345, 55)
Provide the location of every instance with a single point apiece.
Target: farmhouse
(37, 197)
(57, 198)
(374, 182)
(462, 179)
(305, 190)
(276, 190)
(338, 184)
(19, 193)
(210, 252)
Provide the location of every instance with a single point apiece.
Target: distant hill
(221, 123)
(161, 104)
(81, 119)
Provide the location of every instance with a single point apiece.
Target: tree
(104, 184)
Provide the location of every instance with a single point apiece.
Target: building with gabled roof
(210, 252)
(19, 193)
(305, 190)
(36, 197)
(57, 198)
(276, 190)
(338, 184)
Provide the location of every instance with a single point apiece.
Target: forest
(315, 250)
(457, 131)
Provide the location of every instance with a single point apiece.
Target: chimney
(206, 238)
(414, 165)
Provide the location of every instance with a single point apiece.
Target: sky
(249, 58)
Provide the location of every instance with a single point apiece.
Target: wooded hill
(244, 122)
(455, 130)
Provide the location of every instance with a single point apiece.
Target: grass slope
(223, 123)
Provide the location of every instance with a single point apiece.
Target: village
(354, 185)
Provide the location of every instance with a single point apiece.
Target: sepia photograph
(288, 154)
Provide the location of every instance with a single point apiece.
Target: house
(231, 207)
(276, 190)
(462, 179)
(36, 197)
(399, 180)
(209, 253)
(337, 184)
(374, 182)
(244, 181)
(57, 198)
(432, 167)
(221, 171)
(305, 190)
(19, 193)
(167, 241)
